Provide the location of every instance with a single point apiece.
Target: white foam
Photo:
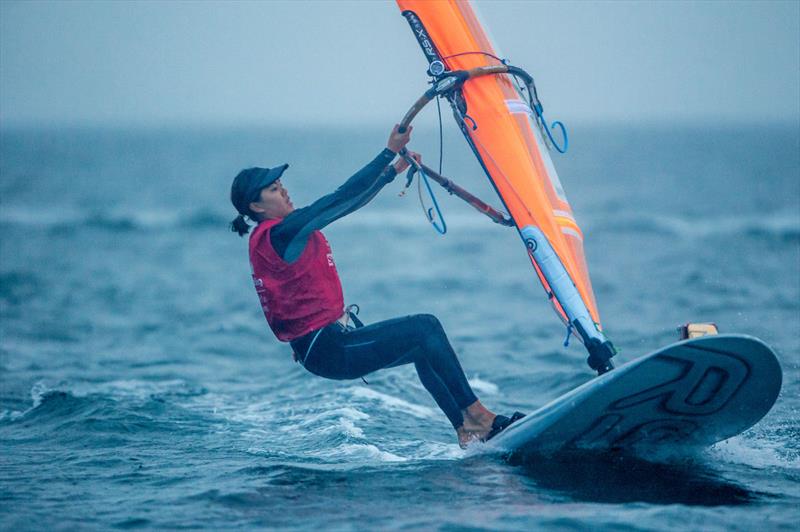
(393, 402)
(257, 413)
(346, 412)
(758, 453)
(774, 223)
(362, 451)
(129, 388)
(74, 216)
(38, 390)
(349, 428)
(345, 422)
(484, 387)
(433, 450)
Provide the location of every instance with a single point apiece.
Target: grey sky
(358, 63)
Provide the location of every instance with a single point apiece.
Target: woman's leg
(419, 339)
(442, 358)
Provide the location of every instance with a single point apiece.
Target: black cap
(248, 183)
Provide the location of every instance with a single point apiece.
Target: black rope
(441, 135)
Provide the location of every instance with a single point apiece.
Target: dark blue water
(141, 388)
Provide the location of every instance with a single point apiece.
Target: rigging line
(533, 103)
(500, 170)
(475, 202)
(524, 91)
(550, 134)
(441, 229)
(502, 61)
(488, 153)
(536, 106)
(441, 134)
(508, 182)
(538, 113)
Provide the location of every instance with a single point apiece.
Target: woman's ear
(255, 207)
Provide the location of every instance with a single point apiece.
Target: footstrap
(501, 423)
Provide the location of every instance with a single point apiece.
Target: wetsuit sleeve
(289, 237)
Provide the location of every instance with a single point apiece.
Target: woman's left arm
(289, 237)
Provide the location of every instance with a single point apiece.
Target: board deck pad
(692, 393)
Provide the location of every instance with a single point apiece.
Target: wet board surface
(692, 393)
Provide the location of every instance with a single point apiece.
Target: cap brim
(272, 175)
(267, 177)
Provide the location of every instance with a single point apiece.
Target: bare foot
(478, 418)
(477, 424)
(467, 437)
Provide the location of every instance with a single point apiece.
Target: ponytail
(239, 225)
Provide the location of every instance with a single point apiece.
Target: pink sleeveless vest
(297, 297)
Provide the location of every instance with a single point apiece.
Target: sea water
(141, 388)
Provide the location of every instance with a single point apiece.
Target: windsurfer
(301, 294)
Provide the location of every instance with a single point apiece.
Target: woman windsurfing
(301, 294)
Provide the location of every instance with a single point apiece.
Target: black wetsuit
(345, 352)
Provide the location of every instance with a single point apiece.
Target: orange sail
(507, 137)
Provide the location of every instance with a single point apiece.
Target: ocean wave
(779, 226)
(320, 421)
(74, 415)
(270, 412)
(762, 447)
(483, 386)
(112, 220)
(339, 421)
(67, 219)
(359, 452)
(38, 392)
(58, 406)
(433, 450)
(393, 403)
(344, 427)
(137, 389)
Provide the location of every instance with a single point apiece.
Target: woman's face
(273, 202)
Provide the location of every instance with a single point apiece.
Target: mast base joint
(600, 355)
